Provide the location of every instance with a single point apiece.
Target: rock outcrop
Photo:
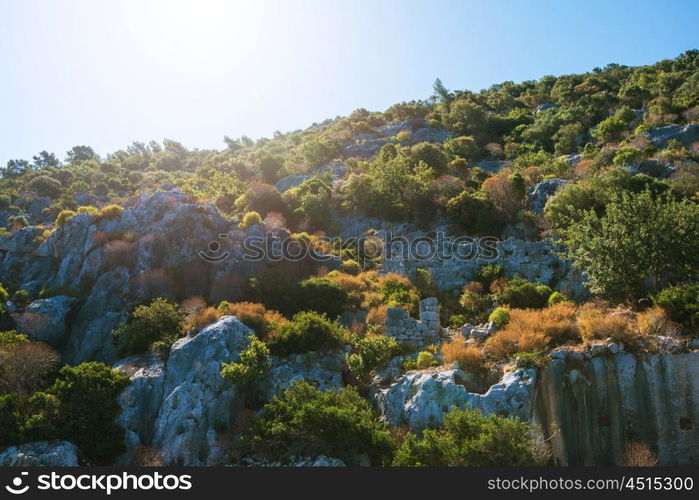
(40, 454)
(420, 399)
(45, 320)
(541, 192)
(322, 370)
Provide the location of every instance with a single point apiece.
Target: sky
(107, 73)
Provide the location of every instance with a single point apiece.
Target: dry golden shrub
(639, 454)
(470, 357)
(376, 316)
(203, 317)
(598, 322)
(254, 315)
(654, 321)
(147, 457)
(534, 329)
(25, 367)
(354, 286)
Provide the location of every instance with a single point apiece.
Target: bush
(500, 316)
(523, 294)
(304, 421)
(638, 454)
(469, 438)
(21, 298)
(250, 219)
(43, 185)
(110, 212)
(253, 364)
(489, 273)
(4, 295)
(17, 222)
(156, 325)
(597, 322)
(654, 322)
(322, 295)
(681, 303)
(87, 394)
(370, 353)
(202, 317)
(25, 366)
(350, 267)
(469, 356)
(474, 302)
(64, 217)
(557, 298)
(253, 315)
(425, 359)
(307, 331)
(89, 210)
(535, 359)
(530, 330)
(398, 291)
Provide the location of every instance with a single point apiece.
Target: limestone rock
(541, 192)
(45, 319)
(40, 454)
(322, 370)
(420, 399)
(197, 402)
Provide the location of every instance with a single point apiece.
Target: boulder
(290, 181)
(420, 399)
(40, 454)
(661, 136)
(44, 320)
(541, 192)
(197, 403)
(322, 370)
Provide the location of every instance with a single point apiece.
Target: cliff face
(594, 407)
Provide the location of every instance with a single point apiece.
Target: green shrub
(370, 353)
(307, 331)
(534, 359)
(87, 394)
(304, 421)
(253, 364)
(523, 294)
(350, 267)
(489, 273)
(681, 303)
(156, 325)
(21, 298)
(500, 316)
(424, 359)
(469, 438)
(110, 212)
(250, 219)
(17, 222)
(557, 298)
(64, 217)
(4, 295)
(90, 210)
(11, 338)
(322, 295)
(457, 320)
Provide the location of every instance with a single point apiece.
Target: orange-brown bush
(376, 317)
(469, 356)
(24, 367)
(202, 317)
(254, 315)
(598, 322)
(354, 286)
(654, 321)
(639, 454)
(531, 330)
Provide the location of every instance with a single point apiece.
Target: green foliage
(155, 325)
(470, 439)
(557, 298)
(17, 221)
(474, 214)
(307, 331)
(250, 219)
(638, 237)
(4, 295)
(64, 217)
(522, 294)
(425, 359)
(681, 303)
(11, 338)
(89, 210)
(500, 316)
(43, 185)
(21, 298)
(253, 364)
(111, 212)
(304, 421)
(534, 359)
(350, 267)
(87, 394)
(322, 295)
(489, 273)
(462, 147)
(371, 352)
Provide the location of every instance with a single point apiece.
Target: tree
(79, 154)
(638, 238)
(15, 168)
(45, 159)
(44, 185)
(157, 324)
(441, 92)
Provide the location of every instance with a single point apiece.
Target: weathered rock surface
(420, 399)
(661, 136)
(198, 403)
(541, 192)
(40, 454)
(45, 319)
(599, 405)
(322, 370)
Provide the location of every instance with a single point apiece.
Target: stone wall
(413, 333)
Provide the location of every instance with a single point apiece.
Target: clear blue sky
(106, 73)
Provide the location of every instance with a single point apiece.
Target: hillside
(158, 293)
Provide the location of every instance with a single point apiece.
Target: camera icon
(214, 253)
(16, 487)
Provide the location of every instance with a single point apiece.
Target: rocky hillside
(387, 288)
